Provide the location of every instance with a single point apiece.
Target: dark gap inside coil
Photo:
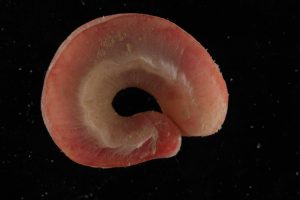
(130, 101)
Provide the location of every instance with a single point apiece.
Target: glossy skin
(130, 50)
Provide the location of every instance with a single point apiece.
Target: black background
(257, 45)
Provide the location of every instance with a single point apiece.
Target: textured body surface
(109, 54)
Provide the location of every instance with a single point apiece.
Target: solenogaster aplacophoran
(121, 51)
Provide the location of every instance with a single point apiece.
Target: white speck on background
(20, 68)
(258, 145)
(297, 173)
(251, 126)
(228, 37)
(83, 2)
(231, 79)
(296, 70)
(44, 194)
(269, 168)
